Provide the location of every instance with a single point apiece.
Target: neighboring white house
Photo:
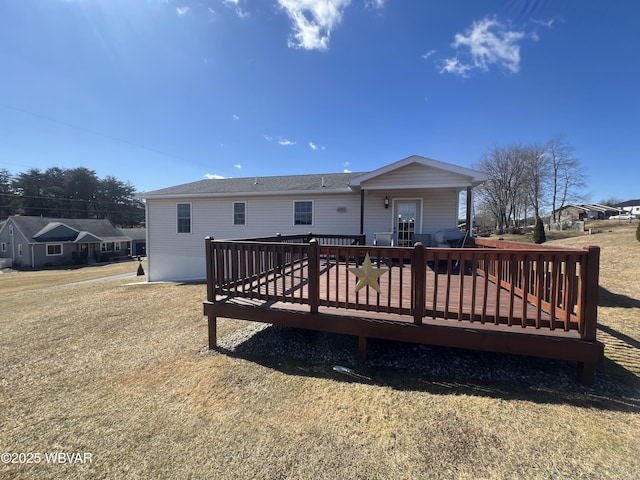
(416, 195)
(630, 206)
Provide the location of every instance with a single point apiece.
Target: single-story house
(410, 197)
(586, 211)
(630, 206)
(138, 247)
(34, 242)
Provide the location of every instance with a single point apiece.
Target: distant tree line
(69, 193)
(526, 180)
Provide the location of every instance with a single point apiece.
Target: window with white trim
(19, 249)
(303, 212)
(239, 213)
(184, 217)
(54, 249)
(3, 247)
(116, 246)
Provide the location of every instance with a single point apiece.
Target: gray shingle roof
(103, 229)
(249, 185)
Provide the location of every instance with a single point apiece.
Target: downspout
(361, 212)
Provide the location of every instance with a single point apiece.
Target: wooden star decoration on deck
(367, 275)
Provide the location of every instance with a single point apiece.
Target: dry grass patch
(119, 370)
(17, 280)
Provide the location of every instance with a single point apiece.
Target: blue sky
(163, 92)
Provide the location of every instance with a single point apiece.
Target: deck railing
(494, 282)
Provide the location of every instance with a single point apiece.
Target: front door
(406, 215)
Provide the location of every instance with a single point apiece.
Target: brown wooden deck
(531, 301)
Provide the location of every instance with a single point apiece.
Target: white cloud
(374, 3)
(346, 170)
(313, 21)
(213, 176)
(235, 117)
(313, 146)
(428, 55)
(487, 42)
(182, 10)
(544, 23)
(238, 166)
(285, 142)
(236, 4)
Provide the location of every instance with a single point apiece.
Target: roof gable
(55, 231)
(87, 237)
(425, 168)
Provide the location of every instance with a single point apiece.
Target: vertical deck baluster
(474, 285)
(511, 272)
(525, 288)
(447, 297)
(498, 269)
(436, 260)
(461, 271)
(554, 279)
(569, 283)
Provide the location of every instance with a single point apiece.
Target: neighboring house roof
(43, 229)
(311, 183)
(137, 234)
(629, 203)
(591, 207)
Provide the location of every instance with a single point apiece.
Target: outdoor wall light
(386, 202)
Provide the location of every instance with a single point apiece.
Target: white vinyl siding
(439, 210)
(174, 256)
(417, 176)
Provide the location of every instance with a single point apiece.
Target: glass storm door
(407, 213)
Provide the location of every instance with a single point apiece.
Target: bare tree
(568, 176)
(537, 176)
(502, 194)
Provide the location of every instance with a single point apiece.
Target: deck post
(314, 275)
(419, 276)
(586, 371)
(362, 348)
(590, 311)
(213, 333)
(209, 266)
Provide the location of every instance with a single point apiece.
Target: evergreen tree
(538, 232)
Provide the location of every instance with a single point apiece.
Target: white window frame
(190, 217)
(19, 249)
(104, 247)
(295, 202)
(117, 246)
(54, 245)
(244, 213)
(3, 247)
